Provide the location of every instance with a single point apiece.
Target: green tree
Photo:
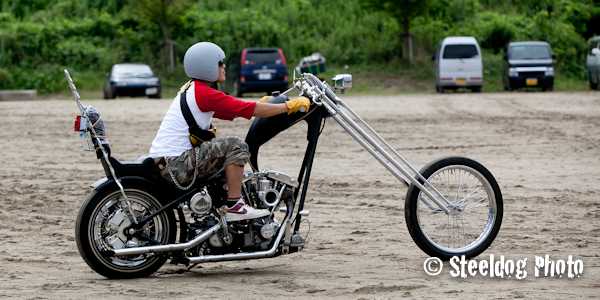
(404, 11)
(164, 14)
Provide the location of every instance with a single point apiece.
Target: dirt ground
(543, 149)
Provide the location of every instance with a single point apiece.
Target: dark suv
(528, 64)
(256, 70)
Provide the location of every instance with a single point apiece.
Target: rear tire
(100, 225)
(475, 215)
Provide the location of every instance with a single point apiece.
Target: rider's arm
(269, 109)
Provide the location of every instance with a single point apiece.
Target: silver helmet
(201, 61)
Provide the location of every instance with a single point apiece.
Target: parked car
(458, 64)
(593, 63)
(256, 70)
(528, 64)
(131, 79)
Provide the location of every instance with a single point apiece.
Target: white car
(593, 63)
(458, 64)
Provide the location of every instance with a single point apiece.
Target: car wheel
(157, 96)
(593, 86)
(236, 89)
(439, 89)
(547, 89)
(108, 95)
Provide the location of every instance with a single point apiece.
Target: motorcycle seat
(143, 166)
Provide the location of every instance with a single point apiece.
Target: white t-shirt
(173, 136)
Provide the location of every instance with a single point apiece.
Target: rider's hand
(295, 105)
(264, 99)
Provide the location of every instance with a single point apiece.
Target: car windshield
(132, 71)
(263, 57)
(460, 51)
(525, 52)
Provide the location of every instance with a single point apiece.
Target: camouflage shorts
(214, 155)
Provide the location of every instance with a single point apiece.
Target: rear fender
(164, 193)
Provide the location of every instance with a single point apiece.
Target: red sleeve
(225, 107)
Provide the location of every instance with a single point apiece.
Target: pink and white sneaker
(242, 211)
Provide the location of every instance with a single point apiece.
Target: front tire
(475, 215)
(100, 225)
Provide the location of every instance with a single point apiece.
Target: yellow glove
(297, 105)
(264, 99)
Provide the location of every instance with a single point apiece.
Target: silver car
(593, 63)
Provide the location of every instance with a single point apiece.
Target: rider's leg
(234, 174)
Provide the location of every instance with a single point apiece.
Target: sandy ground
(543, 149)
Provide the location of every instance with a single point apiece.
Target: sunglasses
(221, 63)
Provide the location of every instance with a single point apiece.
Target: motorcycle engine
(262, 190)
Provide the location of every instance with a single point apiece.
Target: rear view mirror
(596, 52)
(342, 82)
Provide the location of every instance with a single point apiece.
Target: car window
(460, 51)
(263, 57)
(529, 52)
(132, 71)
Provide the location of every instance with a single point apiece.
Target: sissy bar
(324, 95)
(98, 142)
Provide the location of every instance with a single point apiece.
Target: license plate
(265, 76)
(151, 91)
(461, 80)
(86, 140)
(531, 81)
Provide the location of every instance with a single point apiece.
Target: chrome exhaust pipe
(252, 255)
(167, 248)
(240, 256)
(205, 235)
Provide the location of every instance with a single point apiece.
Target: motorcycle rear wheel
(476, 209)
(100, 225)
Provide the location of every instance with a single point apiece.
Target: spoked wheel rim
(107, 224)
(473, 210)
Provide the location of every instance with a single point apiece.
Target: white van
(458, 64)
(593, 63)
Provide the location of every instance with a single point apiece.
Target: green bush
(40, 38)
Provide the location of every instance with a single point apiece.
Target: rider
(180, 162)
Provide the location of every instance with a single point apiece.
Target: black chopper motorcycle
(132, 221)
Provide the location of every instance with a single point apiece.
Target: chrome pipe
(328, 96)
(240, 256)
(390, 147)
(168, 248)
(396, 164)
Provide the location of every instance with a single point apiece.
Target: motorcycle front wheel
(100, 227)
(475, 209)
